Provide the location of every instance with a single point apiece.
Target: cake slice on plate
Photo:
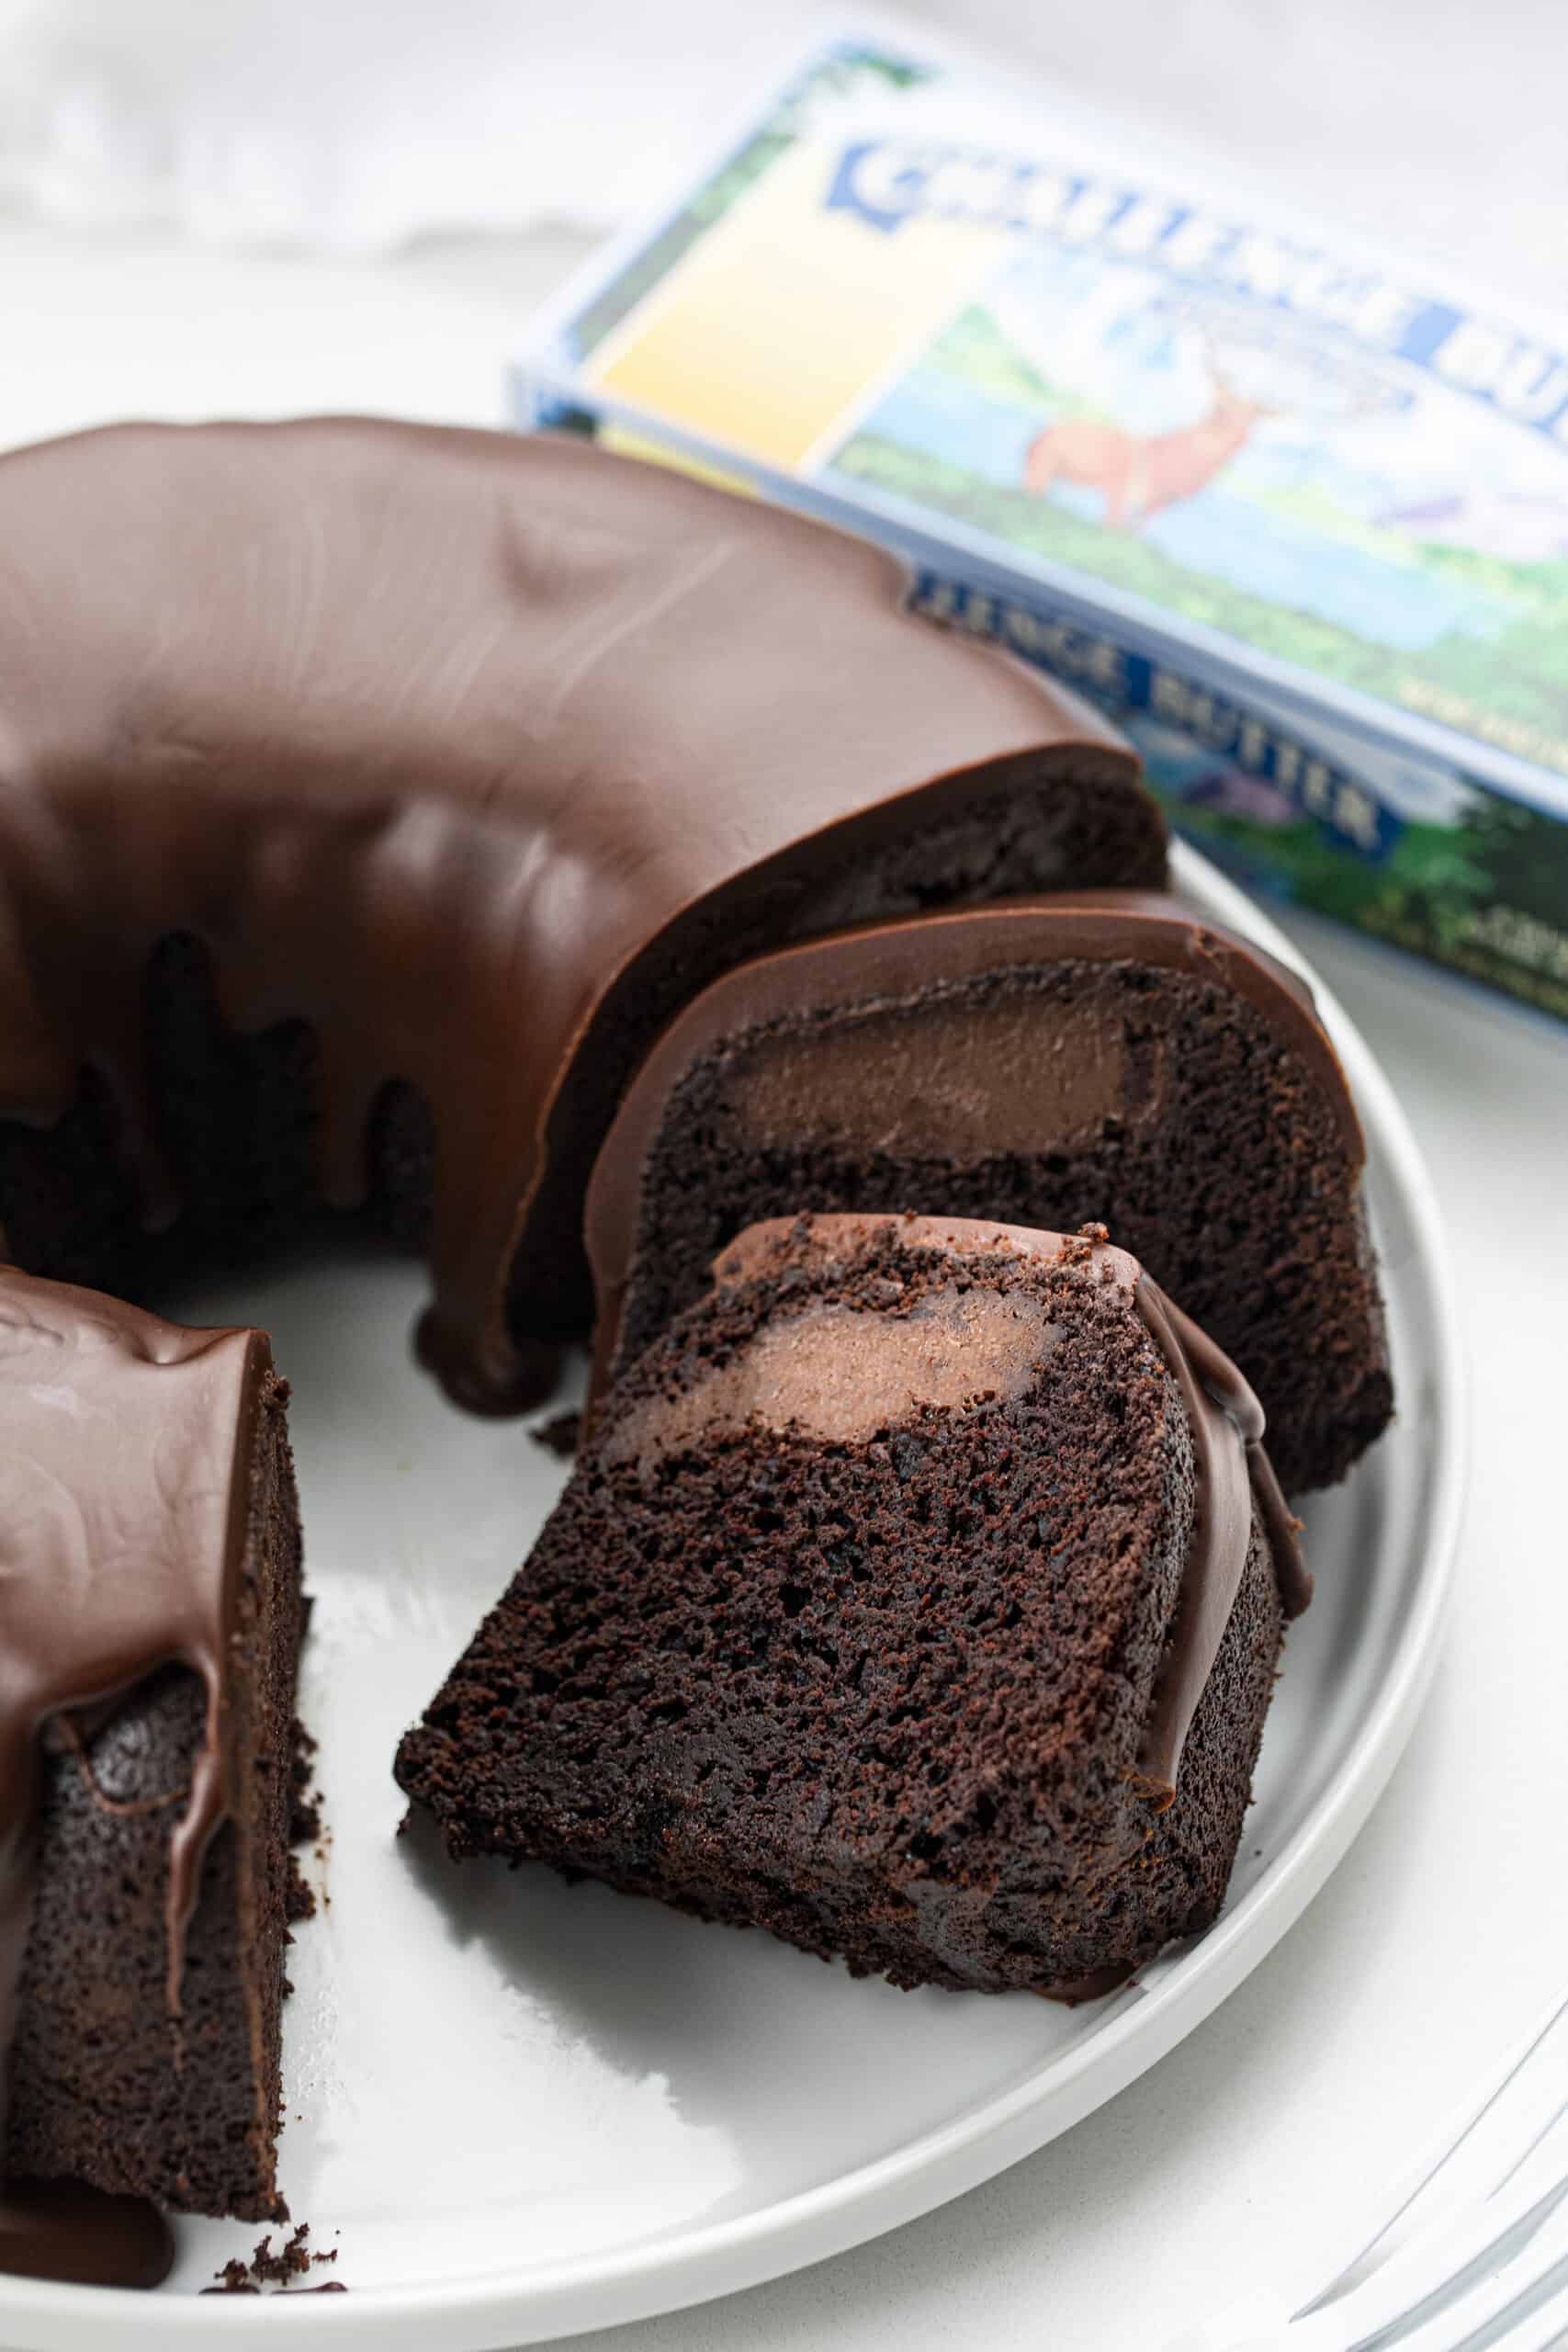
(150, 1543)
(1055, 1061)
(917, 1595)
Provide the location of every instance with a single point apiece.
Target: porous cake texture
(917, 1595)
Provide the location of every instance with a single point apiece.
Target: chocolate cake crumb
(305, 1825)
(305, 1801)
(235, 2278)
(292, 2260)
(559, 1435)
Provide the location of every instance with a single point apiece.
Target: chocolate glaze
(1235, 1478)
(429, 736)
(123, 1501)
(62, 2230)
(1231, 1472)
(883, 961)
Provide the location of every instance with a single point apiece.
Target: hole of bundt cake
(236, 1121)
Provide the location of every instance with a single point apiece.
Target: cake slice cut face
(917, 1595)
(1049, 1063)
(150, 1562)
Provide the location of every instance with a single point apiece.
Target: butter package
(1296, 515)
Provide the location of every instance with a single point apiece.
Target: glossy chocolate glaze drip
(123, 1494)
(83, 2237)
(877, 964)
(427, 736)
(1231, 1469)
(1232, 1473)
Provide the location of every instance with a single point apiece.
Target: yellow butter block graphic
(625, 441)
(781, 321)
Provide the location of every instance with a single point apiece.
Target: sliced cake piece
(917, 1596)
(152, 1556)
(1050, 1062)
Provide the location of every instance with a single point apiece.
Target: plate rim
(506, 2308)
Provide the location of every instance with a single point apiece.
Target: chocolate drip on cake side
(1231, 1472)
(380, 716)
(124, 1532)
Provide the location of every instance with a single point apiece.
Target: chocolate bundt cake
(917, 1595)
(147, 1747)
(371, 793)
(1044, 1063)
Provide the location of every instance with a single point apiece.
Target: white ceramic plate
(520, 2109)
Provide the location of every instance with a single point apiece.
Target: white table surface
(1447, 1924)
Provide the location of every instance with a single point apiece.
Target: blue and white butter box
(1296, 515)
